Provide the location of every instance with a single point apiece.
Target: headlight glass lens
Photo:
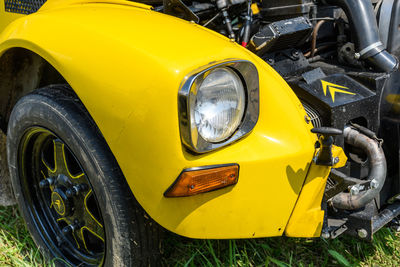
(218, 105)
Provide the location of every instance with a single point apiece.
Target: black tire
(6, 196)
(131, 237)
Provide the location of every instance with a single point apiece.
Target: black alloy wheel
(60, 197)
(70, 190)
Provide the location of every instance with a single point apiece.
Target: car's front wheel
(70, 190)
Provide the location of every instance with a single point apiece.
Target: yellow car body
(126, 63)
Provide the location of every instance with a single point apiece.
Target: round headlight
(218, 105)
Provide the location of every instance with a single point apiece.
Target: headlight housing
(218, 104)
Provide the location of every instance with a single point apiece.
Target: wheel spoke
(44, 175)
(59, 156)
(78, 176)
(61, 161)
(83, 235)
(89, 216)
(50, 171)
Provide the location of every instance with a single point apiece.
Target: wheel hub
(60, 202)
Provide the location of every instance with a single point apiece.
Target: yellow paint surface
(307, 218)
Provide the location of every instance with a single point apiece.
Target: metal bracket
(324, 155)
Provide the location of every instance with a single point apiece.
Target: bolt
(307, 119)
(374, 184)
(46, 182)
(354, 190)
(76, 189)
(295, 54)
(68, 229)
(325, 235)
(362, 233)
(357, 55)
(271, 61)
(335, 160)
(61, 178)
(70, 192)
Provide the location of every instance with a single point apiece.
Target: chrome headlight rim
(249, 76)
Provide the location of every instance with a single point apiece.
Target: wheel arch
(21, 72)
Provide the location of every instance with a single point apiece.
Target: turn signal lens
(194, 181)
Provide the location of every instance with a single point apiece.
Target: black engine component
(389, 20)
(281, 34)
(362, 17)
(324, 155)
(313, 115)
(341, 98)
(276, 10)
(178, 9)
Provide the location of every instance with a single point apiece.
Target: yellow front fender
(126, 63)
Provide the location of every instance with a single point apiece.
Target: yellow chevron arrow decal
(334, 88)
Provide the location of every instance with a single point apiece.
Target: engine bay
(317, 30)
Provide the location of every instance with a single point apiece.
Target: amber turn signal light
(199, 180)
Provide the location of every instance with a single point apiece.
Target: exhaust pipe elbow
(365, 28)
(377, 174)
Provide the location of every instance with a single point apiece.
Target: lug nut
(70, 192)
(76, 189)
(46, 183)
(68, 229)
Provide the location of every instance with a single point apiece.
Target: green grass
(282, 251)
(18, 249)
(16, 245)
